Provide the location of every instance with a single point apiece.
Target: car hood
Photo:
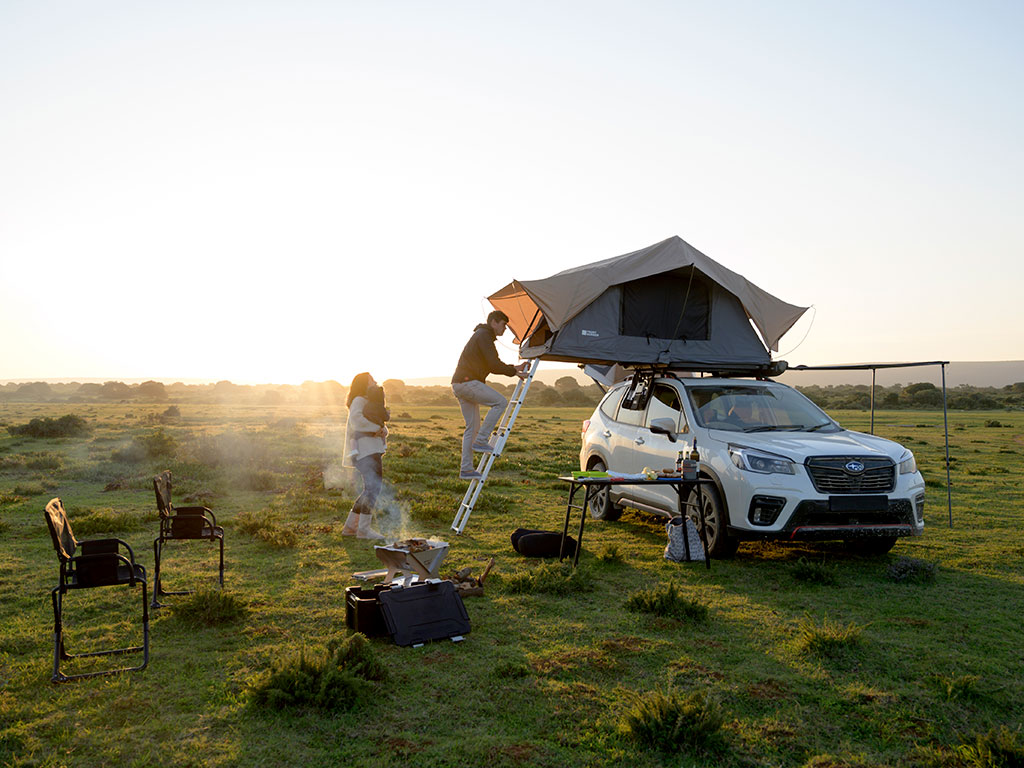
(801, 445)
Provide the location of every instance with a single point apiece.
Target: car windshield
(757, 408)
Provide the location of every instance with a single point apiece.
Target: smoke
(391, 516)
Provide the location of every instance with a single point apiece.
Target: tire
(720, 543)
(601, 505)
(876, 545)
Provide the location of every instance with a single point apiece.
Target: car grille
(829, 475)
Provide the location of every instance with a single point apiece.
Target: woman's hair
(360, 383)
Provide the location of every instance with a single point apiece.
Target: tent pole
(873, 371)
(945, 424)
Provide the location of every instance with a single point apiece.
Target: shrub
(830, 640)
(209, 607)
(993, 423)
(339, 681)
(92, 521)
(610, 554)
(156, 445)
(44, 461)
(999, 748)
(911, 570)
(956, 687)
(550, 579)
(66, 426)
(667, 600)
(814, 573)
(266, 527)
(671, 722)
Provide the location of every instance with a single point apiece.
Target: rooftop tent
(666, 305)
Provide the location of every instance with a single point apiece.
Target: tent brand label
(585, 332)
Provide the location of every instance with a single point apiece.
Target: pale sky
(299, 190)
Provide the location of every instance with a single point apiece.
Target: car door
(658, 451)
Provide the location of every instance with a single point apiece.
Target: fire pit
(414, 557)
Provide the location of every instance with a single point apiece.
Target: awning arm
(874, 367)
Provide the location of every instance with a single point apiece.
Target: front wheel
(720, 543)
(601, 505)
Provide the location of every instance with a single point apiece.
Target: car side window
(634, 403)
(610, 404)
(666, 404)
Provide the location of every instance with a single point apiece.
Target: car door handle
(606, 433)
(639, 441)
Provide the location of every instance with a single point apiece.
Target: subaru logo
(854, 467)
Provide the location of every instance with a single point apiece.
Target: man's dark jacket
(479, 358)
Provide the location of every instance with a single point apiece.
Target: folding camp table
(592, 485)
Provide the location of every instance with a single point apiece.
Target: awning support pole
(945, 423)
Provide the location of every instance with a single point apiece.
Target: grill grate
(829, 475)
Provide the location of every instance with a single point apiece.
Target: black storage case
(431, 610)
(362, 611)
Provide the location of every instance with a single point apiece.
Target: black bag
(535, 543)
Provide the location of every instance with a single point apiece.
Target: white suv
(782, 469)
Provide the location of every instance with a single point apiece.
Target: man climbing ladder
(497, 445)
(479, 358)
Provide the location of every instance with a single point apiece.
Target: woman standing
(365, 443)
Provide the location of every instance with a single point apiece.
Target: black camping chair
(98, 563)
(181, 523)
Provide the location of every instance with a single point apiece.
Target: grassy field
(782, 656)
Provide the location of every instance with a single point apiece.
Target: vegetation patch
(550, 579)
(267, 527)
(210, 607)
(673, 722)
(997, 748)
(811, 572)
(89, 522)
(911, 570)
(65, 426)
(830, 639)
(957, 687)
(156, 445)
(667, 601)
(341, 679)
(610, 554)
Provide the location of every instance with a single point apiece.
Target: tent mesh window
(663, 306)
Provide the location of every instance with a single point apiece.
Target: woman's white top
(365, 445)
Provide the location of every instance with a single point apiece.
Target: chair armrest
(105, 546)
(108, 555)
(196, 511)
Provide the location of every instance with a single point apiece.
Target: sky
(276, 192)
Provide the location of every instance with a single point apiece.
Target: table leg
(565, 528)
(583, 519)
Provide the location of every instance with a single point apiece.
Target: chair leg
(157, 548)
(60, 653)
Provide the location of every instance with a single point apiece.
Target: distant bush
(66, 426)
(671, 722)
(342, 679)
(667, 601)
(156, 445)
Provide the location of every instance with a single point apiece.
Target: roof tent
(666, 305)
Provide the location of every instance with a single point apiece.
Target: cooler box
(430, 610)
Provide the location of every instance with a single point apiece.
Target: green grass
(813, 656)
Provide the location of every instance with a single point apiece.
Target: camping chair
(98, 563)
(181, 523)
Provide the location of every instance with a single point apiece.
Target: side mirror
(664, 426)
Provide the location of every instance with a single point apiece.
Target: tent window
(653, 307)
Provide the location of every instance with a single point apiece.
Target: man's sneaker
(483, 448)
(474, 475)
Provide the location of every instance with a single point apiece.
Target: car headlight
(908, 464)
(758, 461)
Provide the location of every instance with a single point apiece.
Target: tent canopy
(667, 285)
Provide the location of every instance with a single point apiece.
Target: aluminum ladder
(504, 428)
